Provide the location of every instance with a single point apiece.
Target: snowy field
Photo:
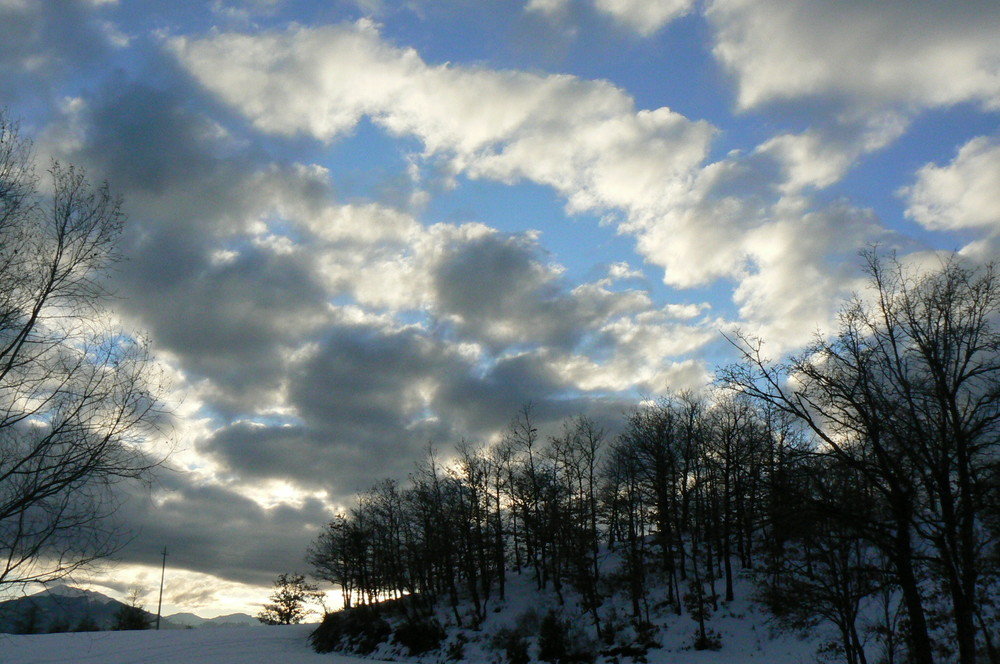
(235, 645)
(743, 642)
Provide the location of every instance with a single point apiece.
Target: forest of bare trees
(861, 475)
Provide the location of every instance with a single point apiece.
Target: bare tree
(132, 616)
(907, 394)
(288, 601)
(76, 400)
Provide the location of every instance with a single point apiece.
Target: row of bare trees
(860, 477)
(458, 529)
(686, 491)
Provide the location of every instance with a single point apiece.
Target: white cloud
(962, 194)
(919, 53)
(584, 138)
(686, 311)
(802, 264)
(820, 156)
(644, 16)
(622, 270)
(547, 7)
(807, 159)
(742, 220)
(696, 236)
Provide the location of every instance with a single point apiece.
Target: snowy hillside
(745, 631)
(743, 640)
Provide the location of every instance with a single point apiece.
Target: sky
(358, 228)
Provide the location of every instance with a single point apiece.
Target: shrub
(58, 626)
(612, 626)
(552, 638)
(87, 624)
(456, 649)
(512, 643)
(132, 615)
(711, 640)
(420, 635)
(560, 643)
(288, 601)
(527, 623)
(359, 630)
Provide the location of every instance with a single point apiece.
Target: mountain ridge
(62, 608)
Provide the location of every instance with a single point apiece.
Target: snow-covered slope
(745, 632)
(744, 641)
(62, 590)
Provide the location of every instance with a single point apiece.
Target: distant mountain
(58, 609)
(231, 620)
(64, 608)
(186, 620)
(192, 620)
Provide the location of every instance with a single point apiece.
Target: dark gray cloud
(500, 290)
(43, 43)
(369, 400)
(214, 530)
(233, 323)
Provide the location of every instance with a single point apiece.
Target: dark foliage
(359, 630)
(58, 626)
(558, 644)
(512, 643)
(131, 617)
(288, 601)
(420, 635)
(87, 624)
(710, 640)
(29, 622)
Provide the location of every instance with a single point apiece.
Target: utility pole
(163, 573)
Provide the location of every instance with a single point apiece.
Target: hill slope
(745, 632)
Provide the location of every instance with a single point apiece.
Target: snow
(239, 645)
(747, 635)
(288, 645)
(63, 590)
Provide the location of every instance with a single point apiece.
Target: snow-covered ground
(236, 645)
(743, 640)
(746, 631)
